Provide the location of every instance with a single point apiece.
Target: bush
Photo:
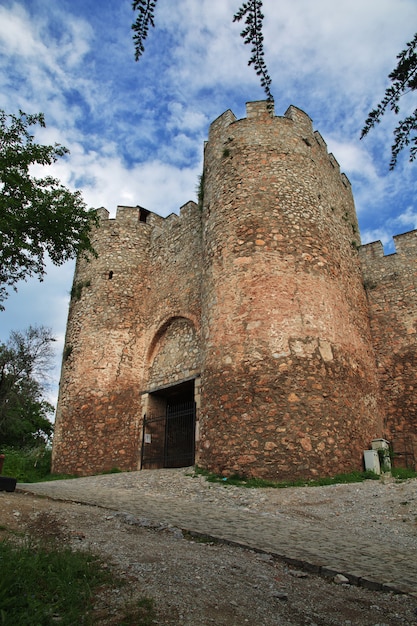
(27, 465)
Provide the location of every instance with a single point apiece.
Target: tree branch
(252, 34)
(404, 80)
(146, 17)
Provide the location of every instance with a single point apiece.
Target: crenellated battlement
(301, 120)
(265, 128)
(406, 243)
(139, 217)
(392, 273)
(373, 250)
(405, 246)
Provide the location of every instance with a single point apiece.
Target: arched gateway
(169, 406)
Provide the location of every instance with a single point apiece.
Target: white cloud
(378, 234)
(136, 131)
(185, 118)
(353, 158)
(106, 181)
(408, 219)
(13, 24)
(337, 39)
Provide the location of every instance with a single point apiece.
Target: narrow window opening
(143, 214)
(110, 274)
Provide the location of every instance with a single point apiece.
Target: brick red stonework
(257, 299)
(391, 288)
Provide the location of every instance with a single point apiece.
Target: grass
(143, 614)
(45, 581)
(403, 473)
(44, 586)
(29, 465)
(352, 477)
(38, 586)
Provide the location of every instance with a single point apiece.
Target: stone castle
(251, 334)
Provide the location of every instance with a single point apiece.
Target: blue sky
(136, 130)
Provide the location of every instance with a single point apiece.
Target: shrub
(27, 465)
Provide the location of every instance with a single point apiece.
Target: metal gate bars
(169, 440)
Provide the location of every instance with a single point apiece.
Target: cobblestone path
(367, 531)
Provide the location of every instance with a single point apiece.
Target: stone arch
(174, 352)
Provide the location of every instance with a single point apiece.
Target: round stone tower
(288, 371)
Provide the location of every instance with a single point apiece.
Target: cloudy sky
(136, 130)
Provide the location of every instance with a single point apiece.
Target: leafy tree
(24, 362)
(404, 80)
(38, 216)
(252, 34)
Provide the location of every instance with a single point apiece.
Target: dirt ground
(196, 583)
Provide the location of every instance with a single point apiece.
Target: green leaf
(404, 80)
(39, 217)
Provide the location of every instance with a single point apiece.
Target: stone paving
(325, 545)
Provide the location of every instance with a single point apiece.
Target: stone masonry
(391, 288)
(295, 345)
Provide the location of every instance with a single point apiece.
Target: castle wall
(295, 339)
(173, 301)
(391, 287)
(124, 311)
(288, 382)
